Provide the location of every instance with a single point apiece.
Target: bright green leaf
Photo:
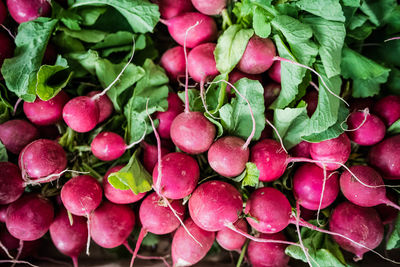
(394, 239)
(261, 22)
(327, 9)
(394, 128)
(88, 36)
(251, 176)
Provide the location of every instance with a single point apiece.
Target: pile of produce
(268, 128)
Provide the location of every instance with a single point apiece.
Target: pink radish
(231, 240)
(173, 61)
(81, 114)
(149, 157)
(302, 149)
(210, 7)
(118, 196)
(275, 72)
(11, 183)
(365, 129)
(175, 107)
(388, 109)
(104, 104)
(385, 157)
(27, 10)
(172, 8)
(16, 134)
(201, 63)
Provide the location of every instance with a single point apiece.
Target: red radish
(27, 10)
(149, 158)
(104, 104)
(46, 112)
(258, 56)
(3, 213)
(173, 61)
(206, 31)
(385, 157)
(268, 254)
(118, 196)
(368, 191)
(311, 189)
(360, 224)
(201, 62)
(11, 183)
(111, 224)
(175, 107)
(210, 8)
(185, 251)
(81, 114)
(81, 195)
(206, 202)
(275, 72)
(311, 99)
(271, 92)
(179, 176)
(230, 240)
(302, 149)
(42, 161)
(16, 134)
(108, 146)
(69, 239)
(172, 8)
(6, 47)
(388, 109)
(365, 129)
(29, 217)
(236, 75)
(3, 13)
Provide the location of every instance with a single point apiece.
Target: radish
(179, 175)
(360, 224)
(42, 161)
(149, 157)
(27, 10)
(11, 183)
(201, 63)
(46, 112)
(258, 56)
(118, 196)
(104, 104)
(29, 217)
(231, 240)
(16, 134)
(69, 239)
(173, 61)
(275, 72)
(388, 109)
(302, 149)
(111, 224)
(271, 92)
(387, 213)
(6, 47)
(314, 190)
(362, 125)
(185, 251)
(236, 75)
(3, 213)
(172, 8)
(268, 254)
(210, 8)
(368, 191)
(175, 107)
(385, 157)
(311, 99)
(3, 13)
(206, 31)
(81, 114)
(207, 200)
(81, 195)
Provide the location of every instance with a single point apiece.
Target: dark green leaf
(378, 11)
(394, 81)
(327, 9)
(5, 107)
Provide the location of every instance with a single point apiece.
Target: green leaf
(251, 175)
(3, 153)
(394, 81)
(261, 22)
(88, 36)
(153, 87)
(91, 14)
(394, 239)
(327, 9)
(378, 11)
(20, 71)
(133, 176)
(141, 14)
(230, 47)
(5, 107)
(394, 128)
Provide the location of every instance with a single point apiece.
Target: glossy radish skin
(108, 146)
(46, 112)
(334, 150)
(271, 92)
(111, 224)
(42, 158)
(201, 62)
(180, 174)
(192, 132)
(360, 224)
(208, 7)
(172, 8)
(175, 107)
(6, 47)
(388, 109)
(81, 114)
(270, 209)
(158, 218)
(106, 107)
(29, 217)
(227, 156)
(236, 75)
(149, 157)
(81, 195)
(185, 251)
(205, 32)
(3, 13)
(16, 134)
(370, 130)
(385, 157)
(11, 183)
(173, 61)
(270, 159)
(230, 240)
(214, 205)
(307, 187)
(27, 10)
(119, 196)
(275, 72)
(268, 254)
(301, 150)
(69, 239)
(258, 56)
